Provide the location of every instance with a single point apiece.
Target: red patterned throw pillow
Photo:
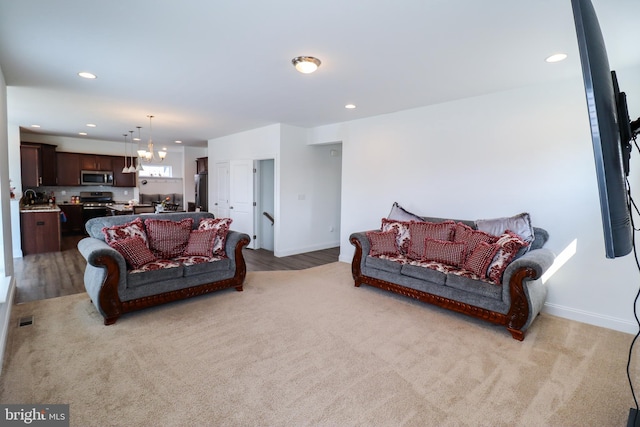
(382, 243)
(471, 237)
(168, 239)
(220, 227)
(134, 250)
(401, 228)
(444, 251)
(509, 245)
(432, 230)
(479, 259)
(123, 231)
(200, 243)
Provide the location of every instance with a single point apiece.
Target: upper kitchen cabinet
(68, 165)
(121, 179)
(96, 162)
(202, 164)
(38, 165)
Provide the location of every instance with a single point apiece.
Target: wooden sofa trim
(109, 300)
(514, 320)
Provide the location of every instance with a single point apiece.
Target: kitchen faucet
(32, 199)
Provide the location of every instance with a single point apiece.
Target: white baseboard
(591, 318)
(317, 247)
(347, 258)
(8, 288)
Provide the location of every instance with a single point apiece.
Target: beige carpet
(307, 348)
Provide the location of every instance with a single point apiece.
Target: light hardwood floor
(56, 274)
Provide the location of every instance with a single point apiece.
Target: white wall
(309, 193)
(306, 177)
(490, 156)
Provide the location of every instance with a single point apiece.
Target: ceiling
(208, 68)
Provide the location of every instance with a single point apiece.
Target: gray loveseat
(115, 288)
(514, 301)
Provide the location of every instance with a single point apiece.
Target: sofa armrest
(522, 287)
(362, 238)
(91, 249)
(233, 238)
(362, 244)
(538, 259)
(105, 274)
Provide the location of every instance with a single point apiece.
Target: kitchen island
(40, 228)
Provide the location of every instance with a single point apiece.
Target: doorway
(265, 201)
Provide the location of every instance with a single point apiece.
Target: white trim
(8, 286)
(591, 318)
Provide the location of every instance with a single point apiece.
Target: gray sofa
(114, 290)
(514, 303)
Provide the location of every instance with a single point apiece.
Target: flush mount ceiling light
(557, 57)
(350, 106)
(87, 75)
(306, 64)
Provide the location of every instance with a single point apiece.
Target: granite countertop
(39, 208)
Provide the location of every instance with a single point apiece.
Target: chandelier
(149, 155)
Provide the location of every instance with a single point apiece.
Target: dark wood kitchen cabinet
(202, 164)
(38, 165)
(121, 179)
(40, 232)
(96, 162)
(68, 166)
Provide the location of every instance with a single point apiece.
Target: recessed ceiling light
(178, 142)
(557, 57)
(350, 106)
(90, 125)
(87, 75)
(35, 126)
(82, 133)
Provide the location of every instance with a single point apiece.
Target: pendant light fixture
(139, 162)
(132, 169)
(125, 169)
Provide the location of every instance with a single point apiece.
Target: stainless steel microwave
(96, 177)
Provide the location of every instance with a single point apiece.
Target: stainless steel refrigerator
(201, 191)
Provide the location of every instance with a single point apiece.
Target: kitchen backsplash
(63, 194)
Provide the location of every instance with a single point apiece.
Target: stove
(96, 199)
(94, 204)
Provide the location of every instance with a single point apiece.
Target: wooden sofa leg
(516, 334)
(110, 320)
(239, 288)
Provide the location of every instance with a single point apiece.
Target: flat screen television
(611, 131)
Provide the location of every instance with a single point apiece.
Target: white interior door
(241, 197)
(221, 197)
